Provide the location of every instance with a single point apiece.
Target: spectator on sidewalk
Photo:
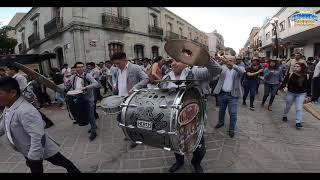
(316, 82)
(297, 57)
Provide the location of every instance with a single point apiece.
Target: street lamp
(274, 23)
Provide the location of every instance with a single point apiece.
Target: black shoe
(175, 166)
(252, 108)
(244, 103)
(298, 125)
(75, 122)
(92, 136)
(133, 145)
(231, 134)
(89, 131)
(198, 168)
(284, 119)
(218, 126)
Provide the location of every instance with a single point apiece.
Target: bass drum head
(190, 122)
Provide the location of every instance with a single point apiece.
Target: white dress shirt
(316, 72)
(122, 81)
(183, 76)
(228, 81)
(78, 83)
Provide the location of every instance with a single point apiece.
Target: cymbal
(188, 52)
(38, 77)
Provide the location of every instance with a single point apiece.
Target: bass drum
(78, 106)
(169, 119)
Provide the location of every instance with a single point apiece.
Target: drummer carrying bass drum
(84, 81)
(180, 71)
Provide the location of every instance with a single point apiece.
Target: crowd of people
(227, 78)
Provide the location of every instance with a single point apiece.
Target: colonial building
(216, 42)
(291, 36)
(95, 33)
(13, 22)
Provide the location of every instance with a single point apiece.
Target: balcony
(22, 48)
(53, 27)
(155, 31)
(33, 40)
(114, 21)
(172, 35)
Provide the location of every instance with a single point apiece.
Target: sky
(233, 23)
(7, 13)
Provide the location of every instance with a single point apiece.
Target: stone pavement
(263, 143)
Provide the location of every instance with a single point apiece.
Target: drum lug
(120, 124)
(126, 105)
(176, 106)
(172, 133)
(161, 131)
(167, 149)
(163, 106)
(130, 126)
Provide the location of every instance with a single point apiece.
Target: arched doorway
(59, 58)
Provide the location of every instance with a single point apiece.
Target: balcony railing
(114, 21)
(22, 48)
(53, 26)
(33, 40)
(156, 31)
(172, 35)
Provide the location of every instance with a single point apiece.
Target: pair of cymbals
(188, 52)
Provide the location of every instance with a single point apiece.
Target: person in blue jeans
(297, 86)
(229, 90)
(250, 82)
(273, 77)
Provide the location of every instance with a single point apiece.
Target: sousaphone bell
(188, 52)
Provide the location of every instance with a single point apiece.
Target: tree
(6, 44)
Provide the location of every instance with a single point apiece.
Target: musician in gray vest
(128, 78)
(24, 129)
(180, 71)
(84, 81)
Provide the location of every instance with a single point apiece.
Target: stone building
(216, 42)
(95, 33)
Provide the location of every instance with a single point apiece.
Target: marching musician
(23, 85)
(128, 77)
(95, 73)
(85, 82)
(180, 71)
(24, 129)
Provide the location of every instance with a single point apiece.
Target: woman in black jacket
(297, 84)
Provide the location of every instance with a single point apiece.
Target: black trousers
(57, 159)
(198, 154)
(315, 89)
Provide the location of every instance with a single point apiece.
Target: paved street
(263, 143)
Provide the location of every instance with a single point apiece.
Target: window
(169, 27)
(154, 20)
(56, 12)
(119, 11)
(115, 47)
(282, 26)
(267, 35)
(22, 37)
(190, 35)
(35, 27)
(138, 51)
(155, 51)
(180, 31)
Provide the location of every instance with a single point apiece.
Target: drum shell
(79, 107)
(150, 107)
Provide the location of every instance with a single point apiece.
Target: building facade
(95, 33)
(13, 22)
(216, 42)
(291, 37)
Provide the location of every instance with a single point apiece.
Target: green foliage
(6, 44)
